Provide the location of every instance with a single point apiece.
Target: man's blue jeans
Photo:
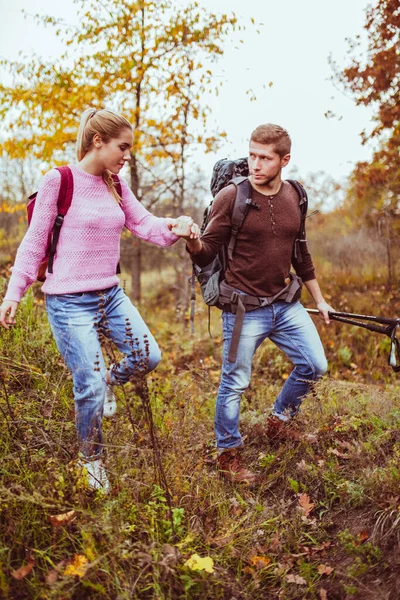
(290, 327)
(76, 321)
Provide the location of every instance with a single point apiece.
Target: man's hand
(7, 313)
(324, 308)
(184, 227)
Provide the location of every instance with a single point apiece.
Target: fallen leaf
(295, 579)
(78, 566)
(363, 536)
(24, 570)
(336, 452)
(222, 541)
(51, 577)
(324, 570)
(198, 563)
(275, 543)
(321, 548)
(323, 594)
(306, 505)
(260, 562)
(63, 519)
(302, 465)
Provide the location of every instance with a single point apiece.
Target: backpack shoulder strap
(117, 183)
(303, 205)
(118, 187)
(240, 209)
(303, 198)
(65, 194)
(66, 190)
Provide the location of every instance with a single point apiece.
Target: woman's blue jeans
(290, 327)
(77, 320)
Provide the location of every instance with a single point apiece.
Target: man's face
(264, 163)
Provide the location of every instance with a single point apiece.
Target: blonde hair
(108, 125)
(273, 134)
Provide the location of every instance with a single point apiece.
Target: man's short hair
(273, 134)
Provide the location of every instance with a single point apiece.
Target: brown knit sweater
(263, 251)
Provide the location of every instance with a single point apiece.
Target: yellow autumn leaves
(77, 567)
(198, 563)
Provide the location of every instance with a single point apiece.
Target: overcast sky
(291, 52)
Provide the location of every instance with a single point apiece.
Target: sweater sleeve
(304, 269)
(219, 227)
(32, 249)
(142, 223)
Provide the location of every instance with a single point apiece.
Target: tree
(373, 77)
(19, 179)
(143, 58)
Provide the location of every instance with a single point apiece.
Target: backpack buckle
(59, 220)
(264, 301)
(234, 298)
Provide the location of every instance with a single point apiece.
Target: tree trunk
(390, 279)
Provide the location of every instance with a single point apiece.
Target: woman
(82, 293)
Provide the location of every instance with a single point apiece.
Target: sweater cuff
(16, 288)
(308, 276)
(168, 236)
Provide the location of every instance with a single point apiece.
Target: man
(263, 255)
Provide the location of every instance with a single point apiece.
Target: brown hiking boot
(284, 430)
(231, 467)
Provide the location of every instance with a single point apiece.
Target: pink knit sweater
(88, 247)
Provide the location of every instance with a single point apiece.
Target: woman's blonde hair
(109, 126)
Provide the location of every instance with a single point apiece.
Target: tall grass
(263, 542)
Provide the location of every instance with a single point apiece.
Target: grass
(322, 523)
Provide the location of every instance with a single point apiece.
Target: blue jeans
(76, 321)
(290, 327)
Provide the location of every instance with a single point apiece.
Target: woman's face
(113, 154)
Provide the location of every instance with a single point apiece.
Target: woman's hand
(7, 313)
(184, 227)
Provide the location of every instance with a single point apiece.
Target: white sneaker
(96, 475)
(110, 403)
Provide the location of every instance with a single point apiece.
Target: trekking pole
(384, 325)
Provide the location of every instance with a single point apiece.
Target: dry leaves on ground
(305, 504)
(77, 566)
(325, 570)
(24, 570)
(63, 519)
(260, 562)
(198, 563)
(291, 578)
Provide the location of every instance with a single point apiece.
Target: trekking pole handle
(314, 311)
